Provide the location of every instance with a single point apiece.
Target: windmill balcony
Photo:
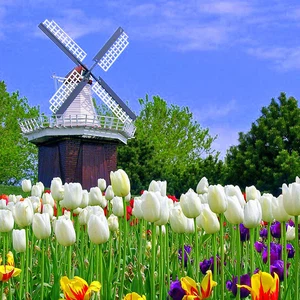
(44, 127)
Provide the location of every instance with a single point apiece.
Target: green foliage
(168, 145)
(268, 155)
(18, 157)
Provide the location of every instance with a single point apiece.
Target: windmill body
(74, 142)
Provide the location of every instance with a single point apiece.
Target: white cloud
(232, 8)
(283, 58)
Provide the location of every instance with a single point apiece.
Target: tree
(168, 145)
(18, 157)
(268, 155)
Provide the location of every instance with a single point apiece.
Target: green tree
(18, 157)
(168, 145)
(268, 155)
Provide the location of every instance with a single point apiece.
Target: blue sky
(225, 60)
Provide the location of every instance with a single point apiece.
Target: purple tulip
(176, 292)
(291, 251)
(244, 233)
(244, 280)
(275, 253)
(275, 230)
(278, 267)
(187, 251)
(264, 233)
(259, 246)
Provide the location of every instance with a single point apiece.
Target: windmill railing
(79, 120)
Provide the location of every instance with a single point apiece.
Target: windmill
(74, 142)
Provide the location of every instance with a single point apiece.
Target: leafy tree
(268, 155)
(18, 157)
(168, 145)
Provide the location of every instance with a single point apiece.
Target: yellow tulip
(77, 288)
(191, 287)
(134, 296)
(120, 183)
(263, 286)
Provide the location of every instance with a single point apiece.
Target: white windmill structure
(75, 143)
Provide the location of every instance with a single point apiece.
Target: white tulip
(36, 191)
(150, 206)
(2, 204)
(47, 208)
(217, 199)
(290, 233)
(36, 203)
(85, 199)
(190, 204)
(164, 210)
(41, 186)
(291, 198)
(278, 210)
(231, 190)
(64, 231)
(102, 184)
(234, 213)
(202, 186)
(178, 220)
(26, 185)
(190, 226)
(128, 197)
(72, 195)
(120, 183)
(109, 193)
(6, 220)
(83, 216)
(266, 207)
(23, 213)
(137, 208)
(252, 214)
(252, 193)
(12, 198)
(117, 206)
(47, 199)
(158, 186)
(56, 188)
(41, 226)
(208, 220)
(113, 222)
(96, 197)
(19, 240)
(98, 229)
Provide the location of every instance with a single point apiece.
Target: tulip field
(214, 242)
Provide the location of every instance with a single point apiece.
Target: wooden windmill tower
(75, 143)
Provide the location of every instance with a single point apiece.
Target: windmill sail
(63, 41)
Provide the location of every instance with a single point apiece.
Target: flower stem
(284, 255)
(222, 256)
(269, 247)
(296, 269)
(153, 259)
(42, 269)
(70, 262)
(251, 250)
(124, 249)
(196, 252)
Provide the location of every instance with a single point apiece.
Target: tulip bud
(190, 204)
(231, 190)
(47, 199)
(266, 207)
(6, 220)
(164, 210)
(113, 222)
(98, 229)
(56, 188)
(150, 206)
(36, 191)
(41, 226)
(85, 199)
(252, 214)
(208, 220)
(137, 208)
(109, 193)
(41, 186)
(234, 213)
(102, 184)
(290, 233)
(178, 220)
(217, 199)
(252, 193)
(19, 240)
(64, 231)
(96, 198)
(128, 197)
(72, 196)
(47, 208)
(26, 185)
(23, 213)
(2, 204)
(117, 206)
(291, 196)
(202, 186)
(158, 186)
(120, 183)
(278, 210)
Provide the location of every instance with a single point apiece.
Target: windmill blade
(63, 41)
(112, 49)
(67, 92)
(111, 99)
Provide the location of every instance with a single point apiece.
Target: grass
(11, 190)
